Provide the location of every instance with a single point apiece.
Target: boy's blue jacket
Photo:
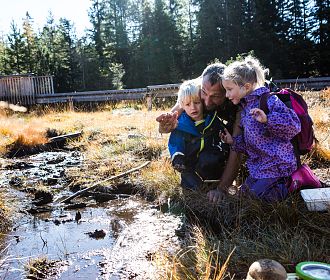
(187, 140)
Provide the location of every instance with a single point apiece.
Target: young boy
(196, 150)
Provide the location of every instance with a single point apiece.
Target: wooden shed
(23, 89)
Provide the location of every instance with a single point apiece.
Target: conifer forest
(134, 43)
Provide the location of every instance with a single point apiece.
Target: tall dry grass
(117, 138)
(286, 232)
(319, 104)
(201, 259)
(20, 132)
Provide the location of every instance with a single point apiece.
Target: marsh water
(116, 239)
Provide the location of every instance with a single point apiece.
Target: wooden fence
(24, 89)
(39, 90)
(305, 83)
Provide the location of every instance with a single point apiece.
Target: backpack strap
(264, 106)
(263, 102)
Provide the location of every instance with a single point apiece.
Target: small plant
(41, 268)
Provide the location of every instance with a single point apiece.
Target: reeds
(285, 231)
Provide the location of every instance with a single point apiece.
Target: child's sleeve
(239, 144)
(176, 144)
(282, 121)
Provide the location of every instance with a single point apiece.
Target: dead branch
(103, 181)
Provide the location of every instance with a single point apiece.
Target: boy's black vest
(207, 154)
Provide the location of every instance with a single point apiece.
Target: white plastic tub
(317, 199)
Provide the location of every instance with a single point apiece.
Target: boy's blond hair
(189, 89)
(249, 70)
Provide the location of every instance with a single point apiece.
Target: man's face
(212, 96)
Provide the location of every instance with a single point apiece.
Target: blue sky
(74, 10)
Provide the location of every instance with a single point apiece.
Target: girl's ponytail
(260, 72)
(247, 71)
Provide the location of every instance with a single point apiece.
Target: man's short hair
(213, 72)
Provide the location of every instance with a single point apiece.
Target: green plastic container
(313, 271)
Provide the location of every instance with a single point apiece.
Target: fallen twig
(103, 181)
(65, 137)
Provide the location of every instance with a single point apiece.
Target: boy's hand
(226, 137)
(167, 122)
(178, 163)
(259, 115)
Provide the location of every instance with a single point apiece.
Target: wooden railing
(149, 93)
(305, 83)
(23, 89)
(41, 92)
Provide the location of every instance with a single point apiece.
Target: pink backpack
(302, 142)
(305, 139)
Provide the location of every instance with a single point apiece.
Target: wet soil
(91, 239)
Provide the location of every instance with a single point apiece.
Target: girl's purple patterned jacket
(267, 145)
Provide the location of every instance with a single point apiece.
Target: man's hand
(215, 196)
(167, 122)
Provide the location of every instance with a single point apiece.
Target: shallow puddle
(113, 240)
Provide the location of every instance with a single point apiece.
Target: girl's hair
(189, 89)
(247, 71)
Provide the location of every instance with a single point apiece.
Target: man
(213, 96)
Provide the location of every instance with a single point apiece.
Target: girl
(265, 138)
(195, 146)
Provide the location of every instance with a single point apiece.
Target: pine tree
(97, 15)
(117, 35)
(321, 35)
(67, 70)
(210, 35)
(46, 50)
(265, 37)
(16, 51)
(29, 37)
(4, 66)
(300, 49)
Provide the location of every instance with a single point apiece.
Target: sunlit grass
(200, 259)
(161, 178)
(319, 104)
(20, 132)
(118, 138)
(286, 232)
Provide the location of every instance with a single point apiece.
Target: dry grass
(161, 178)
(117, 138)
(20, 132)
(5, 213)
(200, 259)
(42, 268)
(319, 104)
(4, 216)
(286, 232)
